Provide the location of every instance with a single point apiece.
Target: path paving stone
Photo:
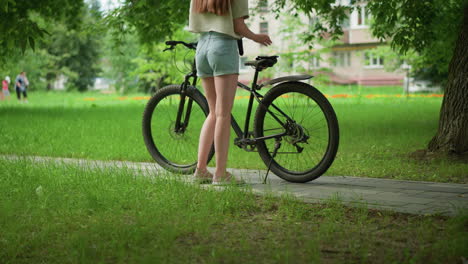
(385, 194)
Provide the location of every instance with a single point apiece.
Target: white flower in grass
(39, 191)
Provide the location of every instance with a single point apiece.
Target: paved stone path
(413, 197)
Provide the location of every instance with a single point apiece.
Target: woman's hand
(241, 29)
(263, 39)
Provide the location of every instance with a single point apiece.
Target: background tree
(145, 67)
(118, 61)
(18, 25)
(70, 48)
(156, 68)
(76, 49)
(153, 20)
(20, 28)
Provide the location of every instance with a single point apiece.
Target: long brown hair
(218, 7)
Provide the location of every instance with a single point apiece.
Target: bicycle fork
(181, 125)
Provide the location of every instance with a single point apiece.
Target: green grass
(377, 134)
(57, 213)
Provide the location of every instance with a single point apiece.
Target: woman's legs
(18, 93)
(207, 131)
(219, 92)
(25, 96)
(225, 87)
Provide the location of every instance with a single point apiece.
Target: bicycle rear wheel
(174, 150)
(312, 134)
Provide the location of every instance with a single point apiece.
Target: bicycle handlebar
(173, 43)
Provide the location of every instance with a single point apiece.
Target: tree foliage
(145, 67)
(427, 27)
(22, 30)
(156, 68)
(70, 48)
(79, 47)
(118, 60)
(153, 20)
(332, 16)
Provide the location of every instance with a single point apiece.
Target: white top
(205, 22)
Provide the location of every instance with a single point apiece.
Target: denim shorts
(217, 54)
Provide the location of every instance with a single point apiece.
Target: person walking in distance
(5, 93)
(20, 84)
(220, 24)
(2, 97)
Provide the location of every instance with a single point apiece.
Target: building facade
(351, 61)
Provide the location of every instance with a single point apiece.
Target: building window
(341, 59)
(263, 27)
(263, 6)
(360, 17)
(363, 16)
(373, 60)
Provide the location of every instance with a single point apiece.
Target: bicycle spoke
(308, 115)
(176, 147)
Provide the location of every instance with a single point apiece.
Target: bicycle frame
(244, 137)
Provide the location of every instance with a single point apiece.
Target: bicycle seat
(262, 62)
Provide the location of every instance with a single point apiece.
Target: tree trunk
(452, 135)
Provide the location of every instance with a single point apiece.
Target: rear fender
(285, 79)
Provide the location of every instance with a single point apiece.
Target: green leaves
(69, 50)
(153, 20)
(5, 5)
(409, 24)
(331, 15)
(429, 27)
(19, 21)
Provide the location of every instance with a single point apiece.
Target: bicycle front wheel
(306, 130)
(175, 147)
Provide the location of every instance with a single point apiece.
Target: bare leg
(207, 131)
(225, 87)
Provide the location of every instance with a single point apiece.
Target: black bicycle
(295, 129)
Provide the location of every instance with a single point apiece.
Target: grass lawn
(63, 214)
(377, 133)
